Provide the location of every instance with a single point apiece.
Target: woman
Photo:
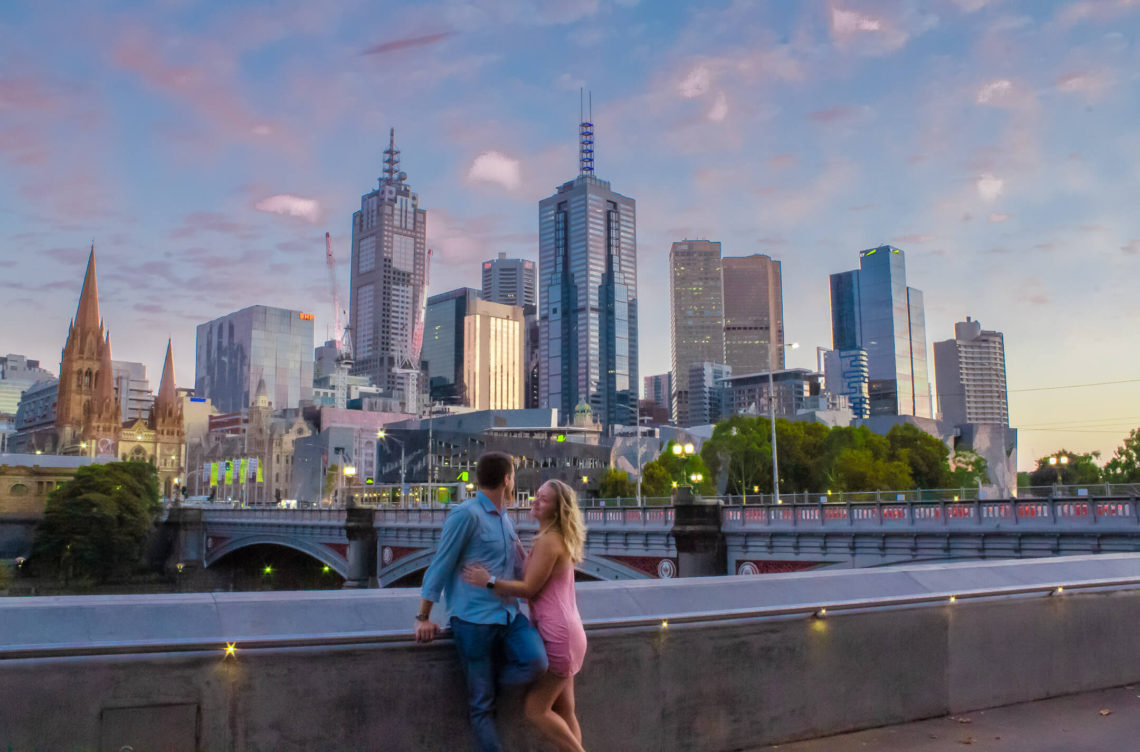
(549, 584)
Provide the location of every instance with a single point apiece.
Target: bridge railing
(1061, 512)
(254, 515)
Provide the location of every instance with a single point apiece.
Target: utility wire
(1075, 386)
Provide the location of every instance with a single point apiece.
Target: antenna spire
(391, 160)
(585, 137)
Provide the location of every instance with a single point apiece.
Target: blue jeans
(514, 652)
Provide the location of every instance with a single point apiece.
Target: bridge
(388, 545)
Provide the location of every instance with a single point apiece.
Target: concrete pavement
(1074, 723)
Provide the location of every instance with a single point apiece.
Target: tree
(967, 469)
(739, 452)
(655, 480)
(925, 455)
(615, 484)
(1124, 467)
(677, 468)
(1080, 468)
(95, 526)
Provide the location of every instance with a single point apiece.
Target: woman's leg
(539, 702)
(564, 706)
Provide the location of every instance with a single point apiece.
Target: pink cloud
(288, 205)
(833, 114)
(865, 34)
(996, 217)
(405, 43)
(913, 239)
(199, 222)
(496, 168)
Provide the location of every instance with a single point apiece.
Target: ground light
(231, 650)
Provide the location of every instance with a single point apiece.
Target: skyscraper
(696, 320)
(509, 281)
(236, 351)
(970, 370)
(389, 266)
(873, 309)
(587, 317)
(753, 314)
(659, 391)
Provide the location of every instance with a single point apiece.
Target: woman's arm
(548, 549)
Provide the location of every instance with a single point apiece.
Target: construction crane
(341, 335)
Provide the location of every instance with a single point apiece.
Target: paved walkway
(1076, 723)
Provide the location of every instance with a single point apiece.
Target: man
(492, 637)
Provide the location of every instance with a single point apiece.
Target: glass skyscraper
(587, 319)
(696, 307)
(236, 351)
(389, 264)
(509, 280)
(753, 314)
(872, 309)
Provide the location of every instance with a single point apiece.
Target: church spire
(166, 392)
(87, 314)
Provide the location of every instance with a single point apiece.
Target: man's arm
(452, 541)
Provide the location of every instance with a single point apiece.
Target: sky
(206, 147)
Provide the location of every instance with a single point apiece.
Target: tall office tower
(474, 351)
(971, 376)
(587, 314)
(696, 318)
(509, 281)
(873, 309)
(236, 351)
(706, 392)
(17, 373)
(494, 338)
(659, 390)
(846, 375)
(753, 314)
(132, 389)
(389, 267)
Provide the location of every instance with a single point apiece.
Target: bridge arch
(315, 550)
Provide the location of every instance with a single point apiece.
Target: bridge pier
(697, 532)
(189, 532)
(361, 532)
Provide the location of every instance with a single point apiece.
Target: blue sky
(207, 147)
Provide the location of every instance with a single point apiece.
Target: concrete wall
(712, 684)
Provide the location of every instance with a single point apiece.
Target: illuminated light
(197, 399)
(689, 448)
(674, 484)
(83, 444)
(1058, 590)
(325, 569)
(585, 479)
(871, 252)
(470, 486)
(39, 451)
(349, 470)
(179, 567)
(231, 649)
(677, 449)
(305, 316)
(953, 599)
(368, 482)
(779, 501)
(560, 438)
(756, 489)
(820, 613)
(268, 569)
(664, 623)
(381, 433)
(955, 498)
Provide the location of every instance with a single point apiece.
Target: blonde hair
(568, 522)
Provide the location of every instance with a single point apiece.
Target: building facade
(846, 375)
(970, 373)
(587, 315)
(696, 319)
(706, 392)
(794, 388)
(236, 351)
(659, 391)
(873, 309)
(443, 343)
(389, 269)
(160, 437)
(510, 281)
(17, 373)
(132, 389)
(753, 313)
(494, 364)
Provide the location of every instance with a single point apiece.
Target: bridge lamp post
(772, 418)
(1058, 463)
(687, 450)
(383, 436)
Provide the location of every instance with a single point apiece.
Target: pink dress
(555, 614)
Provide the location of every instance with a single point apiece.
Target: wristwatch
(422, 617)
(491, 583)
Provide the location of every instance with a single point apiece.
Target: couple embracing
(481, 569)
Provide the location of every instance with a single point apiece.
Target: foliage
(615, 484)
(924, 455)
(95, 526)
(1081, 468)
(5, 575)
(655, 480)
(1124, 467)
(968, 469)
(330, 481)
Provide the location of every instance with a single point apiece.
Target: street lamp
(1058, 463)
(687, 450)
(383, 436)
(772, 418)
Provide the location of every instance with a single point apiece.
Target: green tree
(1080, 468)
(616, 483)
(679, 467)
(95, 526)
(967, 469)
(1124, 467)
(925, 455)
(740, 452)
(655, 480)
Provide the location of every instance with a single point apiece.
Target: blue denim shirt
(475, 532)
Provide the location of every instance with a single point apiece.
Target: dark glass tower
(587, 318)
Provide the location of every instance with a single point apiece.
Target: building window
(18, 489)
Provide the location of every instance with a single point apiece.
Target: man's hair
(493, 468)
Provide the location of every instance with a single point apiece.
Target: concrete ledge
(740, 663)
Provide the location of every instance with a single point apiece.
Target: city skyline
(1006, 177)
